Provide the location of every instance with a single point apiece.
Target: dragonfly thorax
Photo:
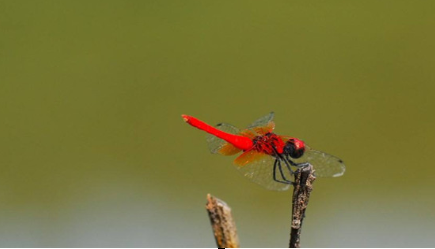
(269, 143)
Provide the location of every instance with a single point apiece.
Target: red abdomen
(268, 144)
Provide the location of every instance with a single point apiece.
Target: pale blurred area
(93, 151)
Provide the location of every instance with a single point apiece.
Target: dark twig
(304, 178)
(222, 222)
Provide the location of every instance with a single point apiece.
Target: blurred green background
(93, 151)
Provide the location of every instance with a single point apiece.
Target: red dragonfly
(268, 159)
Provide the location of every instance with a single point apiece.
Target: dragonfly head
(294, 147)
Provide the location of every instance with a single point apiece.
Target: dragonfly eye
(293, 148)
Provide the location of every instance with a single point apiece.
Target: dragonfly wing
(262, 130)
(263, 121)
(258, 167)
(325, 165)
(217, 145)
(260, 127)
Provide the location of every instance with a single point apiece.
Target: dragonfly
(266, 158)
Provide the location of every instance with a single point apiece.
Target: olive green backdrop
(93, 151)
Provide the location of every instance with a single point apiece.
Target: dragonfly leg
(299, 165)
(277, 164)
(288, 166)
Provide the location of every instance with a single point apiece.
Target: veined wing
(261, 126)
(258, 167)
(217, 145)
(263, 121)
(325, 165)
(258, 130)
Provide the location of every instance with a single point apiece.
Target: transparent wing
(325, 165)
(258, 131)
(258, 167)
(262, 130)
(260, 126)
(263, 121)
(217, 145)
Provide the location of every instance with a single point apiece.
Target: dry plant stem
(304, 179)
(222, 222)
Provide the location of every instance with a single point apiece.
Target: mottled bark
(222, 222)
(304, 179)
